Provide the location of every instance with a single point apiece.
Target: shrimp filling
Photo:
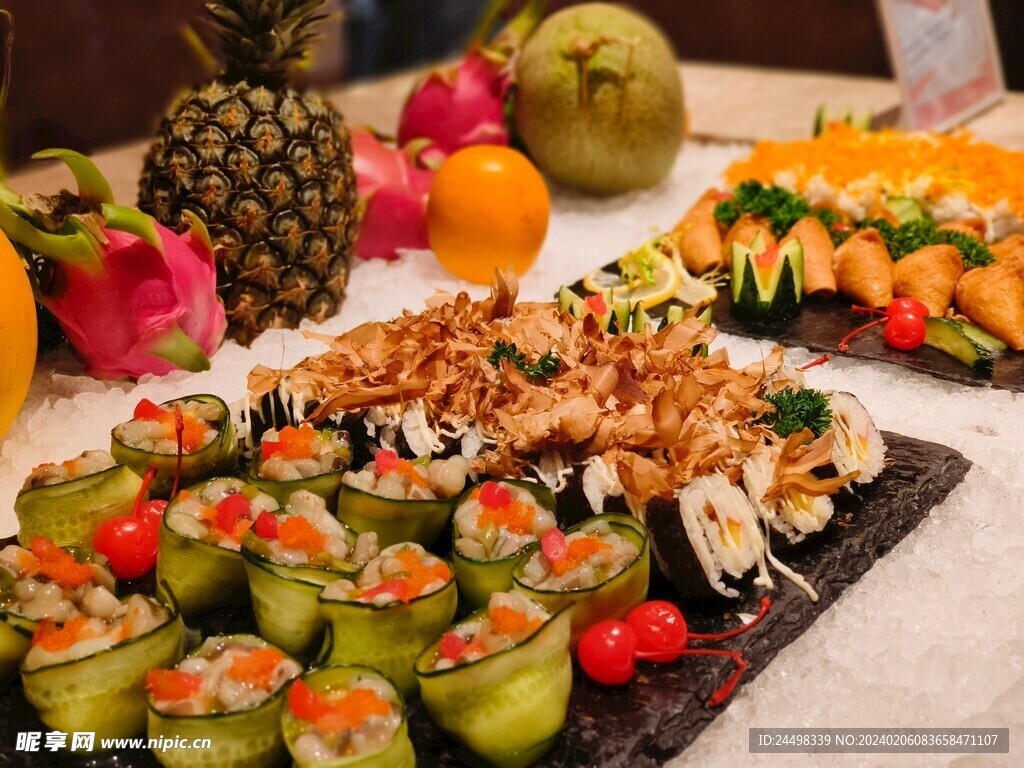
(592, 555)
(303, 452)
(226, 674)
(510, 618)
(390, 477)
(498, 520)
(399, 574)
(219, 512)
(87, 463)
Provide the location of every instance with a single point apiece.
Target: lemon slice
(601, 280)
(666, 283)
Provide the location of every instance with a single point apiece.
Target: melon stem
(582, 51)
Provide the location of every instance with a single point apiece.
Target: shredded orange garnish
(256, 667)
(516, 517)
(298, 533)
(985, 173)
(511, 622)
(420, 575)
(352, 710)
(580, 550)
(53, 639)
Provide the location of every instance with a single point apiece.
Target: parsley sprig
(909, 237)
(796, 409)
(545, 367)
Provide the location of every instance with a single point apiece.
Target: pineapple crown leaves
(263, 39)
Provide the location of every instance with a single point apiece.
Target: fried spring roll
(930, 275)
(993, 297)
(701, 242)
(863, 269)
(975, 227)
(744, 231)
(819, 280)
(1009, 250)
(879, 211)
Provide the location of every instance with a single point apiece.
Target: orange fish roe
(351, 710)
(53, 639)
(58, 565)
(516, 517)
(256, 667)
(579, 551)
(235, 534)
(291, 443)
(420, 575)
(985, 173)
(407, 470)
(298, 533)
(510, 622)
(193, 432)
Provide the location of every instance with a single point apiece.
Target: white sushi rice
(858, 444)
(795, 514)
(930, 635)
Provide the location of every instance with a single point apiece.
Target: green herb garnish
(780, 207)
(797, 409)
(545, 367)
(901, 240)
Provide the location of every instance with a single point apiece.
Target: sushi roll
(402, 500)
(230, 690)
(289, 557)
(387, 614)
(208, 442)
(346, 717)
(858, 445)
(793, 514)
(709, 533)
(301, 459)
(200, 540)
(499, 681)
(89, 673)
(494, 522)
(602, 565)
(68, 502)
(45, 582)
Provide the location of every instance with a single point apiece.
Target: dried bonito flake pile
(653, 410)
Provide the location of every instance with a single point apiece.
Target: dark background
(92, 72)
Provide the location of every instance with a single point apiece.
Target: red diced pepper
(396, 587)
(172, 685)
(767, 257)
(386, 461)
(597, 304)
(270, 448)
(147, 410)
(230, 509)
(495, 495)
(452, 646)
(266, 526)
(840, 226)
(552, 544)
(305, 703)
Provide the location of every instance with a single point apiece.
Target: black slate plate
(654, 719)
(824, 322)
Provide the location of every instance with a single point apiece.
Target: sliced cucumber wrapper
(613, 598)
(397, 754)
(479, 579)
(770, 297)
(70, 513)
(250, 738)
(388, 638)
(220, 457)
(200, 576)
(507, 708)
(106, 692)
(325, 486)
(967, 343)
(394, 521)
(284, 597)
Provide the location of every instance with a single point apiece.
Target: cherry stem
(729, 685)
(766, 603)
(147, 480)
(844, 345)
(866, 310)
(820, 361)
(179, 430)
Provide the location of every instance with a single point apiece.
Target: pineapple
(267, 167)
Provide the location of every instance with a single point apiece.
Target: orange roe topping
(298, 533)
(511, 622)
(291, 443)
(59, 565)
(351, 710)
(580, 550)
(192, 435)
(407, 470)
(235, 534)
(983, 172)
(50, 638)
(515, 518)
(419, 575)
(256, 667)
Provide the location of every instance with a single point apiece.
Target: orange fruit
(488, 209)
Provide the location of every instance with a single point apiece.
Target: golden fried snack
(863, 269)
(743, 231)
(993, 297)
(819, 280)
(930, 275)
(701, 242)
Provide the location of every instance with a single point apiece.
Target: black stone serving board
(823, 323)
(655, 718)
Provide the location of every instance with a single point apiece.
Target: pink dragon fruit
(465, 105)
(393, 188)
(132, 296)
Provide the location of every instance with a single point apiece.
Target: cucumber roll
(301, 459)
(199, 556)
(289, 558)
(858, 445)
(602, 565)
(403, 599)
(499, 681)
(68, 502)
(208, 442)
(45, 582)
(402, 500)
(346, 717)
(89, 673)
(494, 522)
(231, 691)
